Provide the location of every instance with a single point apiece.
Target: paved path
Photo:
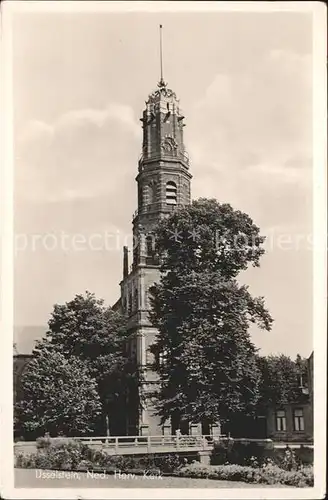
(35, 478)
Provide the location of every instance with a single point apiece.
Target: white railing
(148, 443)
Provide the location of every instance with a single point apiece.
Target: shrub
(25, 461)
(164, 463)
(169, 463)
(304, 455)
(43, 442)
(257, 454)
(85, 465)
(55, 455)
(269, 474)
(289, 460)
(222, 451)
(254, 462)
(73, 455)
(240, 452)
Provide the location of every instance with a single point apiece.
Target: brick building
(293, 422)
(163, 184)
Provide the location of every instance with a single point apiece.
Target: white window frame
(281, 424)
(298, 420)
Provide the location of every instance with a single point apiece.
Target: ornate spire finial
(161, 82)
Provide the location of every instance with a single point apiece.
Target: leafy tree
(302, 367)
(281, 379)
(59, 396)
(209, 236)
(86, 329)
(204, 355)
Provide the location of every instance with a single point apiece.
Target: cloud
(250, 138)
(36, 130)
(98, 117)
(84, 153)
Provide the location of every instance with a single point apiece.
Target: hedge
(244, 452)
(268, 474)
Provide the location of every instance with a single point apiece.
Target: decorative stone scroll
(163, 91)
(169, 145)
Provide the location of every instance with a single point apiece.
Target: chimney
(125, 262)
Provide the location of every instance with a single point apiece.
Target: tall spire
(161, 82)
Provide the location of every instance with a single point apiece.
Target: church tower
(163, 184)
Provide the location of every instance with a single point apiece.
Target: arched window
(133, 349)
(140, 196)
(149, 245)
(171, 193)
(147, 301)
(136, 252)
(130, 304)
(149, 193)
(156, 247)
(152, 192)
(136, 299)
(145, 195)
(150, 358)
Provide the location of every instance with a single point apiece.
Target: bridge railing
(149, 443)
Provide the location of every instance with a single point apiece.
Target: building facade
(293, 422)
(163, 184)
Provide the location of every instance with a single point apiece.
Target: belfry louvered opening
(171, 193)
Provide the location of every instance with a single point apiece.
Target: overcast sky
(80, 83)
